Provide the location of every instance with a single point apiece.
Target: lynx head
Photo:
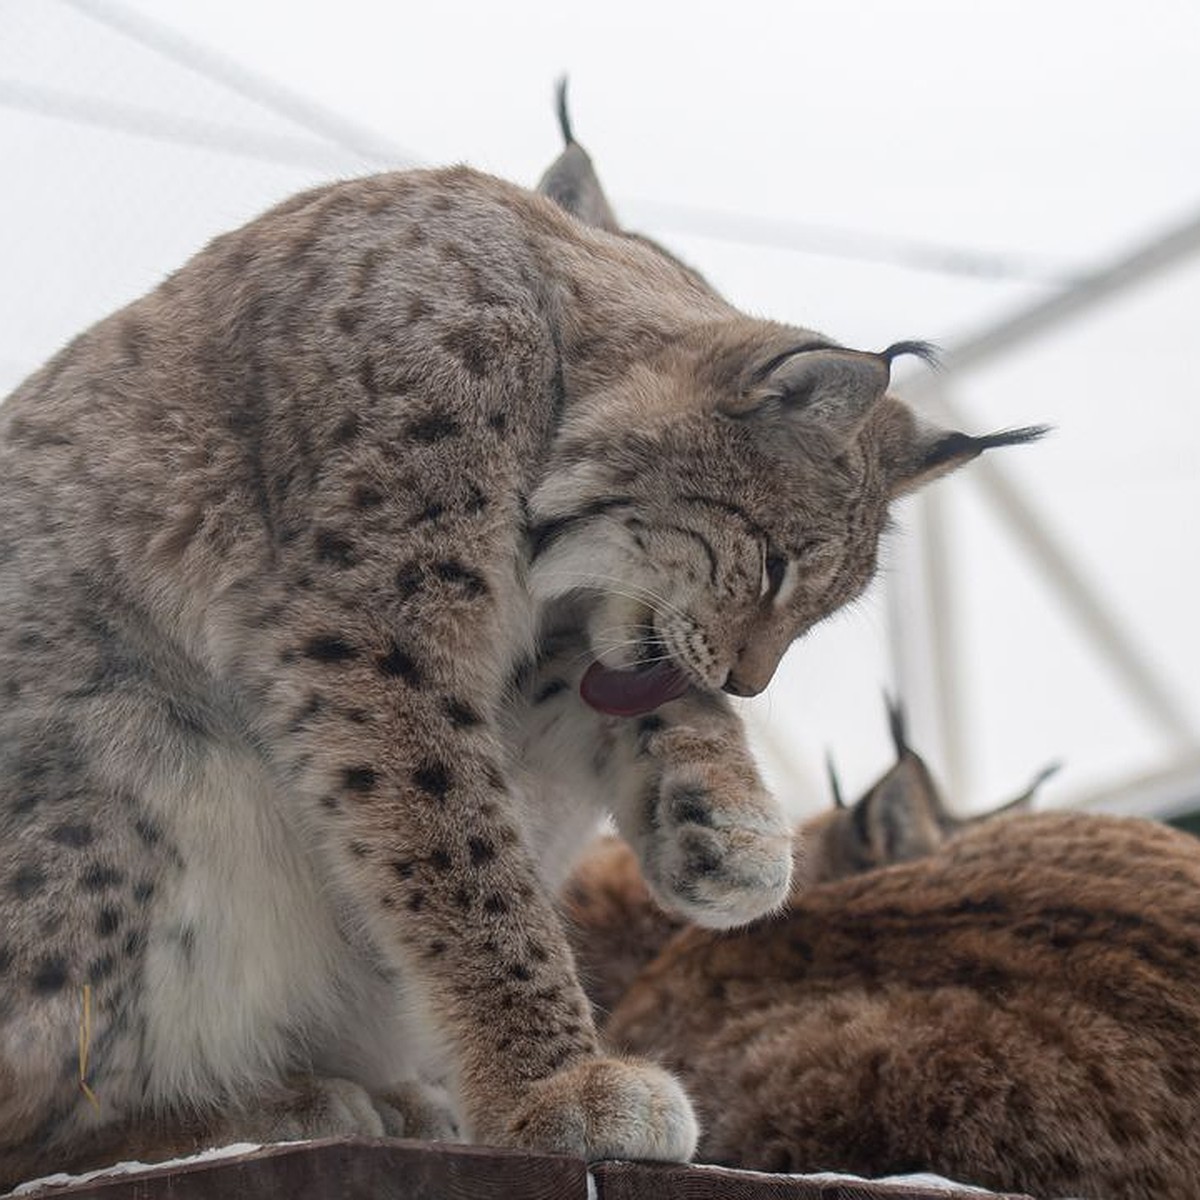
(725, 491)
(900, 817)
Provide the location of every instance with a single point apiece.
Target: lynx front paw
(718, 849)
(607, 1108)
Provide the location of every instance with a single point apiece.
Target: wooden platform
(363, 1169)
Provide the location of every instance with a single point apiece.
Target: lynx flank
(1020, 1010)
(1014, 1005)
(346, 579)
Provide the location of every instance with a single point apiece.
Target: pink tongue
(631, 693)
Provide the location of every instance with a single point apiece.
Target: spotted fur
(284, 547)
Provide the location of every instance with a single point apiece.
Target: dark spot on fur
(359, 849)
(440, 860)
(417, 310)
(436, 947)
(28, 881)
(537, 952)
(366, 496)
(98, 877)
(347, 429)
(462, 898)
(690, 806)
(700, 860)
(495, 905)
(72, 834)
(461, 715)
(359, 779)
(453, 571)
(558, 1058)
(6, 958)
(520, 971)
(329, 648)
(347, 319)
(430, 512)
(648, 725)
(402, 867)
(549, 690)
(150, 833)
(498, 421)
(330, 803)
(335, 548)
(481, 850)
(416, 902)
(100, 970)
(409, 578)
(433, 428)
(143, 891)
(433, 778)
(476, 500)
(108, 922)
(50, 976)
(470, 347)
(399, 664)
(494, 777)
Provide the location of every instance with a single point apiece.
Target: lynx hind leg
(714, 844)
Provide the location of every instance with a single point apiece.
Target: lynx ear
(820, 393)
(901, 816)
(571, 180)
(928, 452)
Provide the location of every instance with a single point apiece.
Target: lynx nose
(755, 662)
(735, 687)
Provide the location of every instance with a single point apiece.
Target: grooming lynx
(346, 579)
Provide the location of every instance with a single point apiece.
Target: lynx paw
(719, 850)
(414, 1110)
(607, 1108)
(318, 1106)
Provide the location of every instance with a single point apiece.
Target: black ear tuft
(564, 117)
(927, 352)
(959, 447)
(835, 786)
(1013, 437)
(897, 724)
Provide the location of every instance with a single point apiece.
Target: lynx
(348, 578)
(616, 928)
(1011, 1003)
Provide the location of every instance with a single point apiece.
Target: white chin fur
(592, 559)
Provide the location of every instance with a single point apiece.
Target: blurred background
(1017, 182)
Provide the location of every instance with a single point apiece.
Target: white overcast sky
(1047, 136)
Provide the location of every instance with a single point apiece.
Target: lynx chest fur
(346, 580)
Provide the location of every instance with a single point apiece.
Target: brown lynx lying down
(1018, 1009)
(347, 580)
(616, 928)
